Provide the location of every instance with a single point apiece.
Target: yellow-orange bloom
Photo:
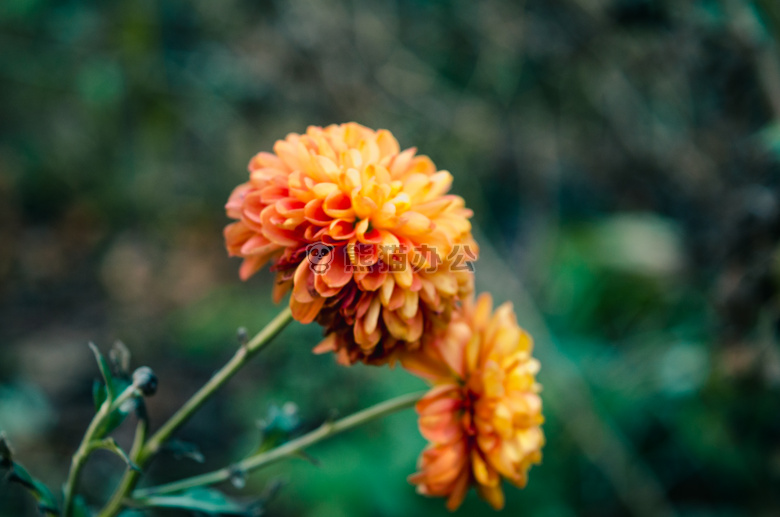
(364, 235)
(483, 414)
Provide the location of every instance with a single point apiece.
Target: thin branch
(143, 452)
(291, 448)
(88, 444)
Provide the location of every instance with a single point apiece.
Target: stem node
(147, 449)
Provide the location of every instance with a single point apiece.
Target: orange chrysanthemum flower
(363, 234)
(483, 414)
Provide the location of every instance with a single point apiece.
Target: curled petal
(306, 312)
(485, 400)
(349, 188)
(338, 273)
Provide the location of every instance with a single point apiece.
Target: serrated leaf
(206, 500)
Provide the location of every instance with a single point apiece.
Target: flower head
(483, 414)
(364, 234)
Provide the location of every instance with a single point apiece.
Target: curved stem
(141, 430)
(145, 452)
(87, 444)
(288, 449)
(244, 354)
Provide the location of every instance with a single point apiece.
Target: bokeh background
(621, 157)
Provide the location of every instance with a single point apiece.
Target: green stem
(150, 448)
(141, 429)
(288, 449)
(87, 444)
(242, 356)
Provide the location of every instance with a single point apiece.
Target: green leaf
(6, 458)
(98, 394)
(769, 136)
(116, 417)
(111, 387)
(110, 445)
(206, 500)
(105, 370)
(80, 508)
(180, 449)
(277, 426)
(47, 505)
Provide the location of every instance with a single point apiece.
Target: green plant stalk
(87, 444)
(242, 356)
(285, 450)
(141, 430)
(142, 454)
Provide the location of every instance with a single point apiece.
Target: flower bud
(145, 380)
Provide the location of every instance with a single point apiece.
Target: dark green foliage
(108, 391)
(277, 426)
(621, 157)
(203, 500)
(16, 473)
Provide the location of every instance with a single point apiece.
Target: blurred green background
(622, 160)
